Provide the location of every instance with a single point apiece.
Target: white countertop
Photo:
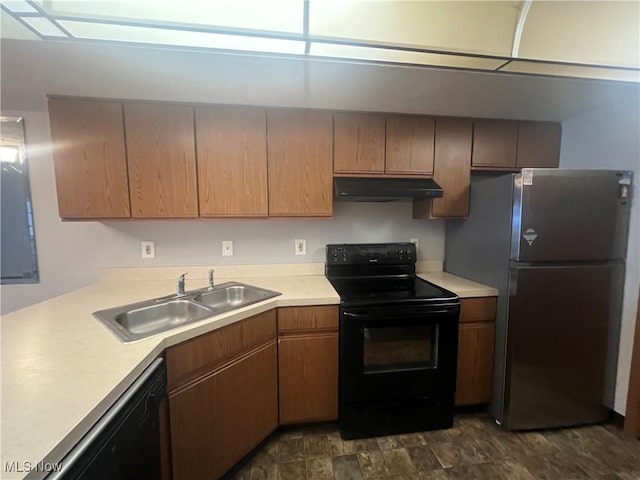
(62, 369)
(461, 286)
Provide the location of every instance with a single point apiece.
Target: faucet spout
(180, 290)
(211, 284)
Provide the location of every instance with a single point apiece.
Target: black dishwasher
(125, 442)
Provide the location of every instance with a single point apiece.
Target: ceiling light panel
(180, 38)
(401, 56)
(573, 71)
(274, 15)
(19, 6)
(601, 33)
(44, 26)
(473, 26)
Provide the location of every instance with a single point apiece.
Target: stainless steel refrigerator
(553, 242)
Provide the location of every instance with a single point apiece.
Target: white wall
(609, 138)
(72, 254)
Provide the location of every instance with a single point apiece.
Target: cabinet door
(494, 144)
(232, 161)
(475, 363)
(308, 374)
(162, 161)
(359, 143)
(89, 158)
(300, 162)
(221, 418)
(409, 147)
(539, 145)
(452, 168)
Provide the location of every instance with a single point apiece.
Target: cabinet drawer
(296, 319)
(480, 309)
(192, 358)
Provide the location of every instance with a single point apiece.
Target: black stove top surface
(380, 274)
(386, 290)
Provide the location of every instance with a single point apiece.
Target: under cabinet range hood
(350, 189)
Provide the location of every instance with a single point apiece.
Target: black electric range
(398, 342)
(379, 274)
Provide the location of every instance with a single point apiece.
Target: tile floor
(473, 449)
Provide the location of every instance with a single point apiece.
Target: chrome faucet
(211, 284)
(180, 285)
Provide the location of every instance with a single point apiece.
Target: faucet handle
(183, 275)
(211, 284)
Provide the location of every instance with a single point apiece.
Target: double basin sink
(143, 319)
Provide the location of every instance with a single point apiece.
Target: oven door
(397, 352)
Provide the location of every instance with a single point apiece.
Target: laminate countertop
(62, 369)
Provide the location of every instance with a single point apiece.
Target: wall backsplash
(257, 241)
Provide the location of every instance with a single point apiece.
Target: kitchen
(73, 254)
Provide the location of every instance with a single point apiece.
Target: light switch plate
(415, 241)
(227, 248)
(148, 249)
(300, 246)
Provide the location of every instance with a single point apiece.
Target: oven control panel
(371, 254)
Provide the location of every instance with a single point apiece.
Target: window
(18, 243)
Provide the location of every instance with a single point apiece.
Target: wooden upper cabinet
(539, 145)
(409, 146)
(300, 162)
(232, 161)
(452, 167)
(359, 143)
(89, 158)
(162, 160)
(495, 144)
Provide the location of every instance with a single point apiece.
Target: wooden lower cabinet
(476, 337)
(308, 371)
(308, 364)
(218, 419)
(475, 363)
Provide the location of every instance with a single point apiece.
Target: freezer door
(570, 215)
(562, 336)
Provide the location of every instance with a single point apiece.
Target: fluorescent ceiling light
(272, 15)
(481, 27)
(572, 39)
(181, 38)
(44, 26)
(9, 155)
(19, 6)
(401, 56)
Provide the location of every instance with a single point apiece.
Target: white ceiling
(526, 36)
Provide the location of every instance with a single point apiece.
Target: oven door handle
(368, 316)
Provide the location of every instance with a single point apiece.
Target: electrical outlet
(415, 241)
(227, 248)
(148, 249)
(301, 246)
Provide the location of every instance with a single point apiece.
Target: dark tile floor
(473, 449)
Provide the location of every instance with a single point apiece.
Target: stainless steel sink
(143, 319)
(233, 295)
